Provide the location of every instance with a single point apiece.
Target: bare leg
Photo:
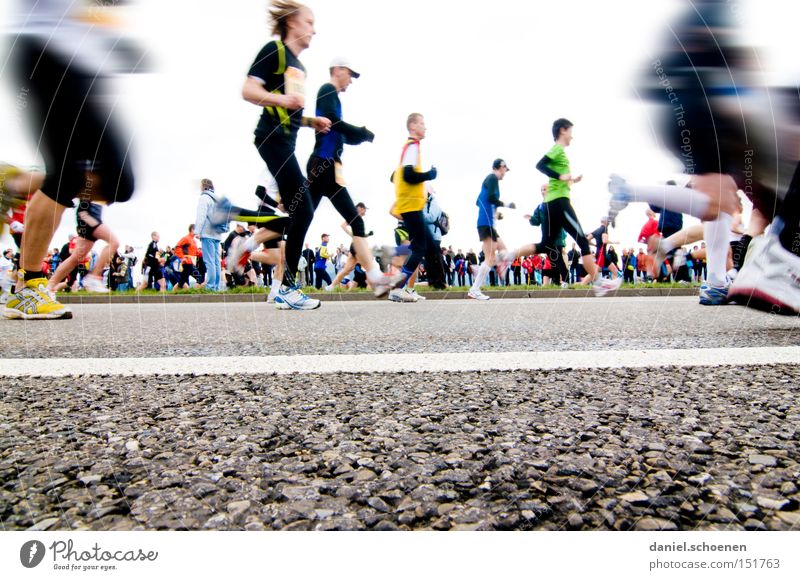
(349, 266)
(42, 218)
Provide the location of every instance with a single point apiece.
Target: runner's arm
(542, 166)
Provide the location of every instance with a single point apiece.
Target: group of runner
(86, 161)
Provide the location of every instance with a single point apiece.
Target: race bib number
(294, 82)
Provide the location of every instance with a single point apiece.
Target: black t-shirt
(277, 123)
(151, 256)
(597, 235)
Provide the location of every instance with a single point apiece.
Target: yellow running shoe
(34, 303)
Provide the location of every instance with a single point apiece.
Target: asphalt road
(519, 325)
(672, 448)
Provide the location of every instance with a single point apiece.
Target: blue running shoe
(713, 295)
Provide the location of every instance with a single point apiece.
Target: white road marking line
(394, 363)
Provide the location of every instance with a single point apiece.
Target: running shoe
(416, 294)
(620, 196)
(238, 256)
(604, 285)
(33, 303)
(402, 295)
(713, 295)
(769, 279)
(388, 283)
(271, 296)
(477, 295)
(4, 297)
(328, 288)
(95, 284)
(565, 285)
(294, 299)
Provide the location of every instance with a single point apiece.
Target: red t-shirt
(649, 229)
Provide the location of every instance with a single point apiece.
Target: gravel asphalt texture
(616, 449)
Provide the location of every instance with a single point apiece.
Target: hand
(432, 174)
(527, 216)
(292, 102)
(577, 179)
(321, 125)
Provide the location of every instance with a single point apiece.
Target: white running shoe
(273, 293)
(620, 196)
(95, 284)
(416, 294)
(604, 286)
(402, 295)
(565, 285)
(294, 299)
(387, 283)
(328, 288)
(477, 295)
(4, 297)
(237, 257)
(769, 279)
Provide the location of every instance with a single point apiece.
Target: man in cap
(325, 166)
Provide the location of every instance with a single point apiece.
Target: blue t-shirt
(488, 201)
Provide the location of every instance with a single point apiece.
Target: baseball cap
(344, 63)
(498, 163)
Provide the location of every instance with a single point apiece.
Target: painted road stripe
(393, 363)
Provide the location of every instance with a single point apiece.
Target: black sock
(741, 251)
(790, 214)
(33, 275)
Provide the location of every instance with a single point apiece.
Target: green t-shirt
(560, 164)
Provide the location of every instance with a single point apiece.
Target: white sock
(717, 234)
(671, 197)
(276, 285)
(480, 278)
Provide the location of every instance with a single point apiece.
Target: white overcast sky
(490, 77)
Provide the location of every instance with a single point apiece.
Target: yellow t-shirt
(410, 197)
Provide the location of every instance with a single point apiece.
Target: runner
(273, 223)
(409, 181)
(560, 213)
(712, 121)
(90, 229)
(488, 201)
(63, 59)
(353, 259)
(276, 83)
(539, 216)
(325, 168)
